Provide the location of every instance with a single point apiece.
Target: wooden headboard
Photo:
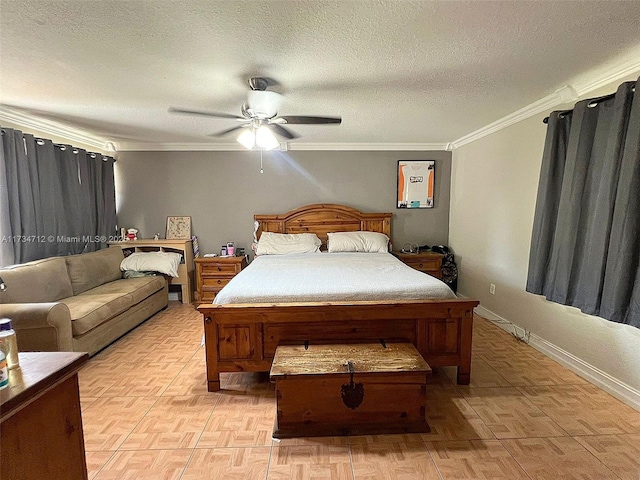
(321, 218)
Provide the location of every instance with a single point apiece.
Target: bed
(243, 336)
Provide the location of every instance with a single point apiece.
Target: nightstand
(213, 273)
(426, 262)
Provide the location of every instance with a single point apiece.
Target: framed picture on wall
(178, 228)
(416, 179)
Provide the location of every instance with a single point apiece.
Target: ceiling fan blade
(224, 132)
(205, 113)
(284, 132)
(297, 119)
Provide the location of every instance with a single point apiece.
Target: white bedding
(324, 277)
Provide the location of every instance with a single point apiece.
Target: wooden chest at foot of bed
(358, 389)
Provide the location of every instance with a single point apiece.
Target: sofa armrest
(40, 326)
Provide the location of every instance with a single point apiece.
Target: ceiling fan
(260, 119)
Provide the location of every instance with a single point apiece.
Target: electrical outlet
(492, 289)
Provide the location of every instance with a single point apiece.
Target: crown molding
(177, 147)
(226, 147)
(50, 127)
(608, 75)
(566, 94)
(569, 93)
(419, 147)
(541, 105)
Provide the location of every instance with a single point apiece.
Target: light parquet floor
(147, 415)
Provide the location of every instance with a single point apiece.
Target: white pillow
(163, 262)
(366, 242)
(282, 243)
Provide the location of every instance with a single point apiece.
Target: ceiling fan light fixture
(266, 139)
(264, 103)
(247, 139)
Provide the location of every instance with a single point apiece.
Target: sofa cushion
(39, 281)
(101, 304)
(90, 310)
(139, 287)
(90, 270)
(143, 287)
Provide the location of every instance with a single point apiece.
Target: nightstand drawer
(220, 269)
(207, 296)
(426, 262)
(432, 264)
(215, 282)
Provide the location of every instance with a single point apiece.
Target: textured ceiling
(398, 72)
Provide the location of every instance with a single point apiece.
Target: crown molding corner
(541, 105)
(565, 94)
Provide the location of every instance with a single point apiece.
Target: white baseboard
(609, 384)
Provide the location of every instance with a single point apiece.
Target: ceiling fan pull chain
(261, 169)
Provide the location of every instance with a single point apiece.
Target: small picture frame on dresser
(178, 228)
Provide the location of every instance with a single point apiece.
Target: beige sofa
(77, 303)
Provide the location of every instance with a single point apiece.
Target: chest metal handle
(352, 393)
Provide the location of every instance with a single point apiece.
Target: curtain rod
(75, 150)
(592, 103)
(62, 146)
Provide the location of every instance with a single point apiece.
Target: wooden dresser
(41, 421)
(183, 247)
(213, 273)
(426, 262)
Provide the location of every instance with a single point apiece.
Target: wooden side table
(40, 418)
(213, 273)
(426, 262)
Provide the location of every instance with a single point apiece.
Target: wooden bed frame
(244, 337)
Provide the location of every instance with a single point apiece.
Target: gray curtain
(585, 246)
(72, 224)
(6, 247)
(59, 200)
(110, 222)
(23, 197)
(86, 165)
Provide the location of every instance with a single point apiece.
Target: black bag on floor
(449, 267)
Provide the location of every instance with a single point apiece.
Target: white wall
(493, 194)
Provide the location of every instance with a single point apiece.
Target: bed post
(211, 356)
(464, 369)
